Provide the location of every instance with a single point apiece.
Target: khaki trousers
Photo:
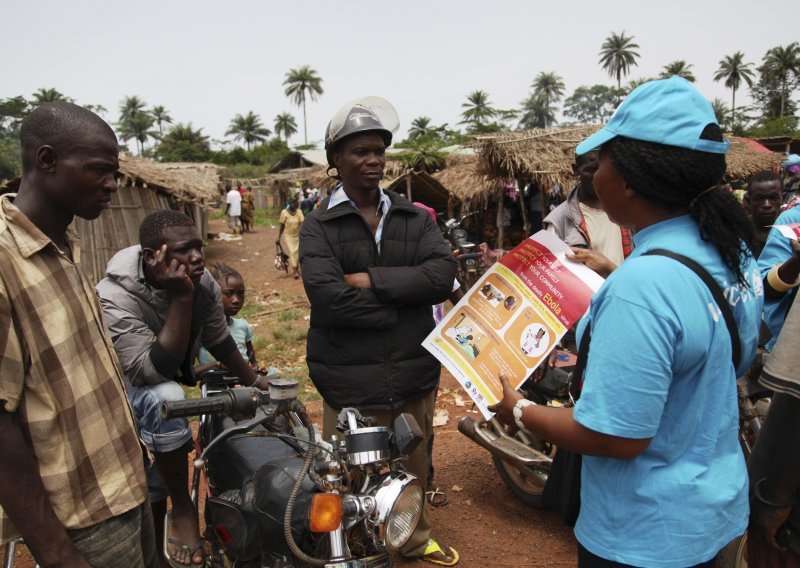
(416, 464)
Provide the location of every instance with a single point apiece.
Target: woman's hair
(673, 178)
(221, 272)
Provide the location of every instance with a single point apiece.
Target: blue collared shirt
(384, 203)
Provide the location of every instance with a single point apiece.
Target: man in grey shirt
(160, 304)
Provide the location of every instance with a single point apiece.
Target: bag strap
(716, 291)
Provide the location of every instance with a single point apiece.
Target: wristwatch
(517, 412)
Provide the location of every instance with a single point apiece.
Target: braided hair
(221, 272)
(675, 178)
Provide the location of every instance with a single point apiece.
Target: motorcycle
(278, 496)
(472, 259)
(523, 461)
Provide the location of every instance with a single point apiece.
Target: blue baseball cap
(669, 111)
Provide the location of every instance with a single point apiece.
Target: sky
(207, 61)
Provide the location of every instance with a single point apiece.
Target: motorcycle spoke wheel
(527, 484)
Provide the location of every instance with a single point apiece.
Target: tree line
(151, 129)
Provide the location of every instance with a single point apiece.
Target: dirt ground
(486, 524)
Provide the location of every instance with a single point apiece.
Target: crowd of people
(87, 462)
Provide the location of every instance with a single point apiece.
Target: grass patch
(289, 334)
(288, 315)
(261, 217)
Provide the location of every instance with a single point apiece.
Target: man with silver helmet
(373, 265)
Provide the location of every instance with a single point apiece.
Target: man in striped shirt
(72, 480)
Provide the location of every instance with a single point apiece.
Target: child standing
(232, 287)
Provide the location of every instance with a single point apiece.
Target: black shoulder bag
(562, 491)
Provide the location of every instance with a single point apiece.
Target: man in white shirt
(233, 209)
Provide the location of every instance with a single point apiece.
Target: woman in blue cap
(664, 482)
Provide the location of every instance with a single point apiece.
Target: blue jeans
(159, 435)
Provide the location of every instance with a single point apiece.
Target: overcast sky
(206, 61)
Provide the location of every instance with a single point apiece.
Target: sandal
(436, 497)
(435, 555)
(180, 546)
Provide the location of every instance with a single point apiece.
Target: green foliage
(184, 144)
(160, 116)
(43, 95)
(779, 126)
(680, 68)
(285, 125)
(302, 83)
(425, 158)
(306, 147)
(734, 71)
(10, 160)
(288, 315)
(548, 88)
(537, 112)
(722, 112)
(594, 104)
(248, 128)
(135, 122)
(618, 55)
(478, 110)
(263, 156)
(423, 134)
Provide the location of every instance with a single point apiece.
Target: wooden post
(408, 186)
(500, 235)
(526, 223)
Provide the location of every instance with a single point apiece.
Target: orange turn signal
(325, 513)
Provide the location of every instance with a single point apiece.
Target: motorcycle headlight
(399, 498)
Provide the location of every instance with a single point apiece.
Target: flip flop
(435, 555)
(178, 544)
(436, 497)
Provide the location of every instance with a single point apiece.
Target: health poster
(511, 319)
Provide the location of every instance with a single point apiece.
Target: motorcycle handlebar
(234, 402)
(193, 407)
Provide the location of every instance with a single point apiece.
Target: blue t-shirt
(660, 367)
(241, 333)
(777, 250)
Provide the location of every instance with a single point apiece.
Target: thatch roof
(746, 157)
(189, 182)
(183, 181)
(544, 156)
(465, 181)
(318, 177)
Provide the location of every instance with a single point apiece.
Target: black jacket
(364, 346)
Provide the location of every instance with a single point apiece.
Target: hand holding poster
(513, 317)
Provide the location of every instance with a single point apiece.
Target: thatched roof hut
(746, 157)
(544, 156)
(422, 187)
(466, 182)
(144, 186)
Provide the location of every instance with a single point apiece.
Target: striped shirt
(60, 375)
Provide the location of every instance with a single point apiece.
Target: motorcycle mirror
(407, 434)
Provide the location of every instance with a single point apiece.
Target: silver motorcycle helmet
(365, 114)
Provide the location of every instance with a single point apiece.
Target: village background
(492, 98)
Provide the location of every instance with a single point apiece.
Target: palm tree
(420, 126)
(139, 128)
(425, 158)
(783, 61)
(733, 70)
(550, 88)
(617, 55)
(549, 85)
(184, 144)
(134, 121)
(478, 109)
(680, 68)
(130, 107)
(285, 125)
(248, 128)
(721, 111)
(301, 83)
(161, 116)
(42, 96)
(536, 112)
